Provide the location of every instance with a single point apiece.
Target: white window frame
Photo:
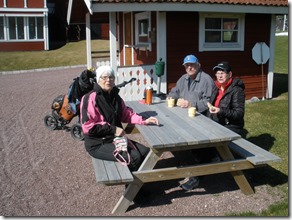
(205, 46)
(26, 27)
(17, 29)
(139, 17)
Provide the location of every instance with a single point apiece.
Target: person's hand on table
(183, 103)
(152, 120)
(179, 101)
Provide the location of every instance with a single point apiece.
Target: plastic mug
(192, 111)
(170, 102)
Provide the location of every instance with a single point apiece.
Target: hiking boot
(190, 183)
(216, 158)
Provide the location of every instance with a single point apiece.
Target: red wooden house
(143, 31)
(31, 25)
(24, 25)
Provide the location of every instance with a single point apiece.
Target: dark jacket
(110, 107)
(101, 114)
(232, 106)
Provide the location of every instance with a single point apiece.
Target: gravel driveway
(48, 173)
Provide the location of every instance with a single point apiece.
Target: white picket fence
(145, 76)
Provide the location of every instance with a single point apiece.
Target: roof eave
(204, 7)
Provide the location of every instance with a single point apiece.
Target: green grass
(71, 54)
(266, 121)
(281, 54)
(267, 125)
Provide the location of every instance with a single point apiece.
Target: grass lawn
(71, 54)
(267, 125)
(281, 54)
(266, 121)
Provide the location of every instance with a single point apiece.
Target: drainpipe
(270, 76)
(88, 41)
(113, 40)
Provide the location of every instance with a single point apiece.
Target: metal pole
(263, 89)
(262, 61)
(158, 85)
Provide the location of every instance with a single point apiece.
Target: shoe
(216, 158)
(191, 183)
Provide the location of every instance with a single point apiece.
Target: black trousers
(105, 152)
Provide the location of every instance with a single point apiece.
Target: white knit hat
(104, 69)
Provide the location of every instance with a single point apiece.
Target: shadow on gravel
(162, 193)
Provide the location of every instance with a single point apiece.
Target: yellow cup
(170, 102)
(192, 111)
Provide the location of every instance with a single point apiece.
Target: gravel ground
(48, 173)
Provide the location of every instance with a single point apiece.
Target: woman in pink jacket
(102, 112)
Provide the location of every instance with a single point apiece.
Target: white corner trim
(88, 4)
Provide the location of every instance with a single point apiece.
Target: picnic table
(179, 132)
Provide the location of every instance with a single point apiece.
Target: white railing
(145, 76)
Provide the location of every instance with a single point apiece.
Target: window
(1, 28)
(35, 28)
(221, 32)
(12, 28)
(143, 26)
(16, 28)
(21, 28)
(142, 30)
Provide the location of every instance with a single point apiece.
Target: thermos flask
(149, 91)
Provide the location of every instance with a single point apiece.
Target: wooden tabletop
(178, 131)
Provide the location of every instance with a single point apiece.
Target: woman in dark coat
(227, 99)
(102, 114)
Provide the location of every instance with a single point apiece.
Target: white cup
(192, 111)
(170, 102)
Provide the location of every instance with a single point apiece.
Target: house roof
(231, 2)
(224, 6)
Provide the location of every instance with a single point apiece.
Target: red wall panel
(257, 29)
(22, 46)
(15, 3)
(35, 3)
(20, 3)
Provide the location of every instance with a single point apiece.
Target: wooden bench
(253, 153)
(111, 173)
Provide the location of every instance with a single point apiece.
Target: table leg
(238, 176)
(134, 187)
